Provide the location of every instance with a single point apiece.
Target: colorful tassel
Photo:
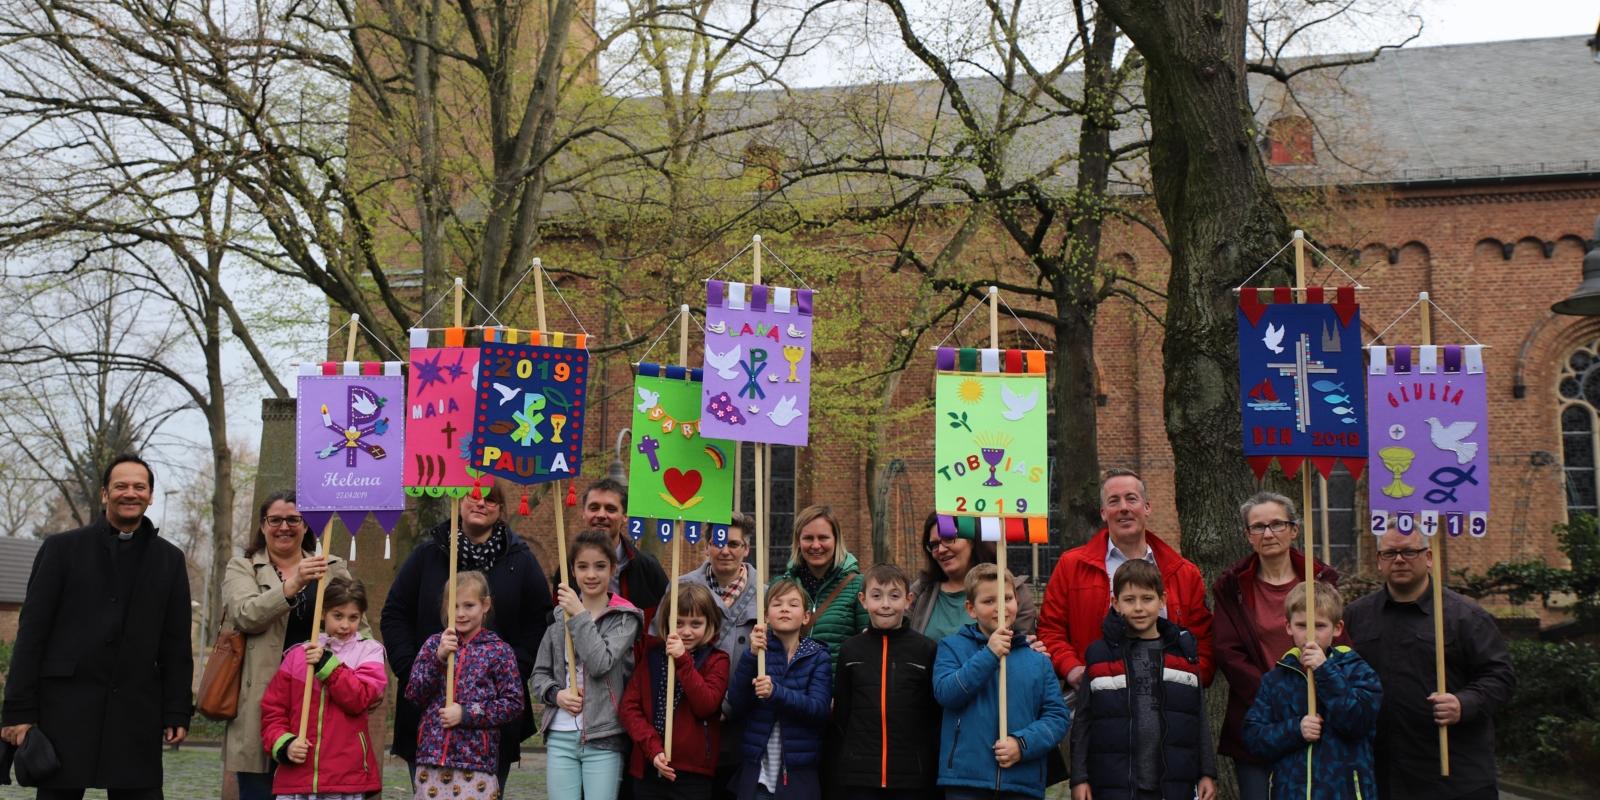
(352, 549)
(386, 541)
(572, 495)
(522, 508)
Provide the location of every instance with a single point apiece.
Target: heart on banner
(682, 485)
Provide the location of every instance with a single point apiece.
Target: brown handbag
(219, 687)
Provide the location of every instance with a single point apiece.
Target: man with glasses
(102, 664)
(732, 581)
(1079, 592)
(1393, 630)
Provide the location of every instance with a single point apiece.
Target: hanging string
(959, 323)
(1020, 324)
(331, 336)
(1263, 266)
(782, 263)
(510, 291)
(1336, 266)
(489, 316)
(374, 338)
(730, 260)
(1435, 307)
(645, 358)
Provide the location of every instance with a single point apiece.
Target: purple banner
(1429, 438)
(350, 452)
(757, 363)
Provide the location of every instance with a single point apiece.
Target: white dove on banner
(647, 399)
(1017, 407)
(785, 412)
(507, 392)
(1273, 338)
(1448, 437)
(724, 363)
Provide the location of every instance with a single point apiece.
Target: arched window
(1578, 394)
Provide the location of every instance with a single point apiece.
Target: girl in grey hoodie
(587, 746)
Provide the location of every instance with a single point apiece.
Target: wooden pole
(1327, 546)
(999, 546)
(1437, 579)
(556, 495)
(455, 548)
(322, 583)
(763, 457)
(1309, 549)
(677, 547)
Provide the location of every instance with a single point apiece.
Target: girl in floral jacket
(458, 743)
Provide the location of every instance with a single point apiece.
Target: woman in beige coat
(268, 595)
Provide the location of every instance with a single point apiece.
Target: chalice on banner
(1397, 460)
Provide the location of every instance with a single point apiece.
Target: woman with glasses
(522, 605)
(1251, 631)
(938, 605)
(268, 595)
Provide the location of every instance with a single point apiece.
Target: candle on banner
(991, 470)
(350, 444)
(1428, 431)
(758, 343)
(675, 472)
(1301, 388)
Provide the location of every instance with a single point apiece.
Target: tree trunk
(1222, 221)
(1076, 471)
(216, 412)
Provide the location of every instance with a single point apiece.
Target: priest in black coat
(102, 662)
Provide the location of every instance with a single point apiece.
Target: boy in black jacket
(885, 717)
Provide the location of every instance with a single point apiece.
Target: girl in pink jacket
(334, 760)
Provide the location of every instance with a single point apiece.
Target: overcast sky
(1444, 22)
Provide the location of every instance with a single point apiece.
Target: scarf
(478, 556)
(657, 659)
(727, 594)
(812, 583)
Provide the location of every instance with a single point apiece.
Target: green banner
(991, 446)
(674, 472)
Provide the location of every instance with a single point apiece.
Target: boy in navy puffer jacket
(974, 760)
(1337, 743)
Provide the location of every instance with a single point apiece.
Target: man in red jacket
(1079, 593)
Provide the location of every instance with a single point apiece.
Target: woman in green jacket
(830, 575)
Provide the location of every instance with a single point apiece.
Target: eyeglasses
(731, 545)
(278, 522)
(1276, 526)
(934, 544)
(1405, 553)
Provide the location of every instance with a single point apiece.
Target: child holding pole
(458, 744)
(976, 758)
(334, 758)
(583, 732)
(788, 707)
(702, 680)
(1330, 748)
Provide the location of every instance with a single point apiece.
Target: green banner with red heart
(674, 473)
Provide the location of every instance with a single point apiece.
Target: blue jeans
(574, 770)
(1252, 780)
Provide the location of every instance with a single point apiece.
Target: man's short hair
(607, 485)
(1138, 573)
(983, 575)
(1330, 604)
(1119, 472)
(886, 575)
(746, 523)
(127, 458)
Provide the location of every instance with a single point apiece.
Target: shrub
(1552, 723)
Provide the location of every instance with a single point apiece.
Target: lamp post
(1585, 300)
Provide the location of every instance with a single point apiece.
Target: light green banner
(674, 472)
(991, 446)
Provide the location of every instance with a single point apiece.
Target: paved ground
(194, 773)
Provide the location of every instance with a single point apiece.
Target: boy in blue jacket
(1335, 744)
(975, 761)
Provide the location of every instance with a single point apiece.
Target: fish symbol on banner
(1273, 338)
(784, 413)
(647, 399)
(1448, 437)
(1328, 386)
(1017, 407)
(724, 363)
(507, 392)
(1342, 410)
(1336, 398)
